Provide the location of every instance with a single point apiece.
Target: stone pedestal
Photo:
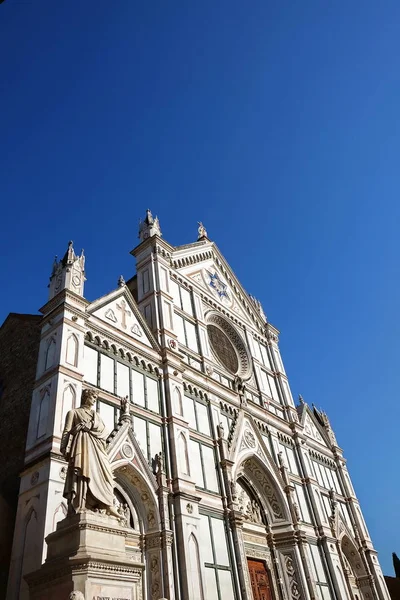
(87, 554)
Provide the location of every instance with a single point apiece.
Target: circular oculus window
(223, 348)
(228, 346)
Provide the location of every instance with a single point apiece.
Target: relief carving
(255, 471)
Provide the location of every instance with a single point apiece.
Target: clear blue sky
(277, 125)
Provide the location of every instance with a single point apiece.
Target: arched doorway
(261, 504)
(138, 502)
(254, 529)
(354, 569)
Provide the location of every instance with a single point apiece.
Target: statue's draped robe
(89, 481)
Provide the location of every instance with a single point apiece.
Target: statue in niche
(249, 507)
(123, 510)
(89, 484)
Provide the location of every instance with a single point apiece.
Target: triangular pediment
(123, 446)
(247, 440)
(206, 267)
(253, 460)
(119, 311)
(312, 428)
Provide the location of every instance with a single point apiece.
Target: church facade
(228, 489)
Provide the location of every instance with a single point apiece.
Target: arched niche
(134, 485)
(68, 402)
(353, 556)
(260, 479)
(183, 455)
(195, 580)
(71, 352)
(43, 413)
(59, 514)
(30, 552)
(249, 504)
(177, 401)
(50, 354)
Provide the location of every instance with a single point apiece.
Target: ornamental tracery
(254, 472)
(228, 346)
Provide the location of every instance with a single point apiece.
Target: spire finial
(68, 273)
(121, 281)
(202, 231)
(301, 400)
(149, 227)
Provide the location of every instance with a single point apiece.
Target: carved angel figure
(89, 483)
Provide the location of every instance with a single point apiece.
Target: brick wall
(19, 346)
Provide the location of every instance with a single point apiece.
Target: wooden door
(260, 582)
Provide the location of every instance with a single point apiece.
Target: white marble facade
(247, 484)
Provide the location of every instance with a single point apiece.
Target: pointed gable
(203, 263)
(312, 427)
(118, 310)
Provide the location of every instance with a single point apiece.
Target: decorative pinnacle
(121, 281)
(301, 399)
(149, 227)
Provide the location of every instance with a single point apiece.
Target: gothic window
(344, 511)
(106, 373)
(261, 353)
(149, 437)
(318, 572)
(302, 503)
(326, 477)
(217, 572)
(122, 375)
(289, 458)
(186, 332)
(112, 375)
(182, 298)
(202, 460)
(72, 350)
(109, 414)
(326, 505)
(91, 364)
(268, 385)
(196, 414)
